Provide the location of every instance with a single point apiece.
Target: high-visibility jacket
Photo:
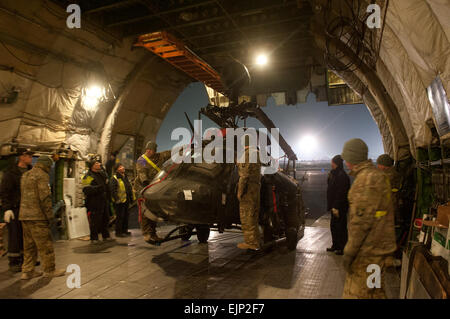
(96, 191)
(121, 196)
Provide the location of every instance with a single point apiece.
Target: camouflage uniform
(249, 187)
(144, 175)
(36, 214)
(371, 234)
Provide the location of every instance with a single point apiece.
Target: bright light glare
(261, 59)
(308, 144)
(94, 91)
(92, 96)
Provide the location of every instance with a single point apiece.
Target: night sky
(329, 126)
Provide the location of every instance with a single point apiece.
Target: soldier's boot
(152, 238)
(55, 273)
(246, 246)
(149, 231)
(32, 274)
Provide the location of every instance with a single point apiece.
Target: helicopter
(202, 196)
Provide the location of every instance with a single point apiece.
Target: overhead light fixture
(92, 96)
(96, 89)
(261, 59)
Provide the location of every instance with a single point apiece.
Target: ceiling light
(92, 96)
(261, 59)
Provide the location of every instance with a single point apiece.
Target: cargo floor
(130, 268)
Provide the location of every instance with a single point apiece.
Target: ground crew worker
(249, 187)
(337, 204)
(386, 164)
(96, 191)
(371, 233)
(36, 215)
(147, 166)
(10, 197)
(122, 195)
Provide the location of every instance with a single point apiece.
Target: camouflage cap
(151, 146)
(355, 151)
(45, 160)
(385, 160)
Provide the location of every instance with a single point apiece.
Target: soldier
(10, 196)
(386, 164)
(36, 215)
(249, 187)
(96, 191)
(147, 166)
(371, 234)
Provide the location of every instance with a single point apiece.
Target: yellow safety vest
(87, 180)
(121, 191)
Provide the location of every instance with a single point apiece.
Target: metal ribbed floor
(130, 268)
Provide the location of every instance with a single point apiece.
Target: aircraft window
(168, 167)
(159, 176)
(167, 164)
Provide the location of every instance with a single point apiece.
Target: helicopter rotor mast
(225, 118)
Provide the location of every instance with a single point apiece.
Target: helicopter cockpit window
(168, 167)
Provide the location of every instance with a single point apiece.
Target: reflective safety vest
(86, 181)
(121, 191)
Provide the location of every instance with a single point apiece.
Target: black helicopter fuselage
(195, 193)
(202, 193)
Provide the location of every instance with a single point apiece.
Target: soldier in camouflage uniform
(36, 215)
(386, 164)
(147, 166)
(249, 187)
(371, 233)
